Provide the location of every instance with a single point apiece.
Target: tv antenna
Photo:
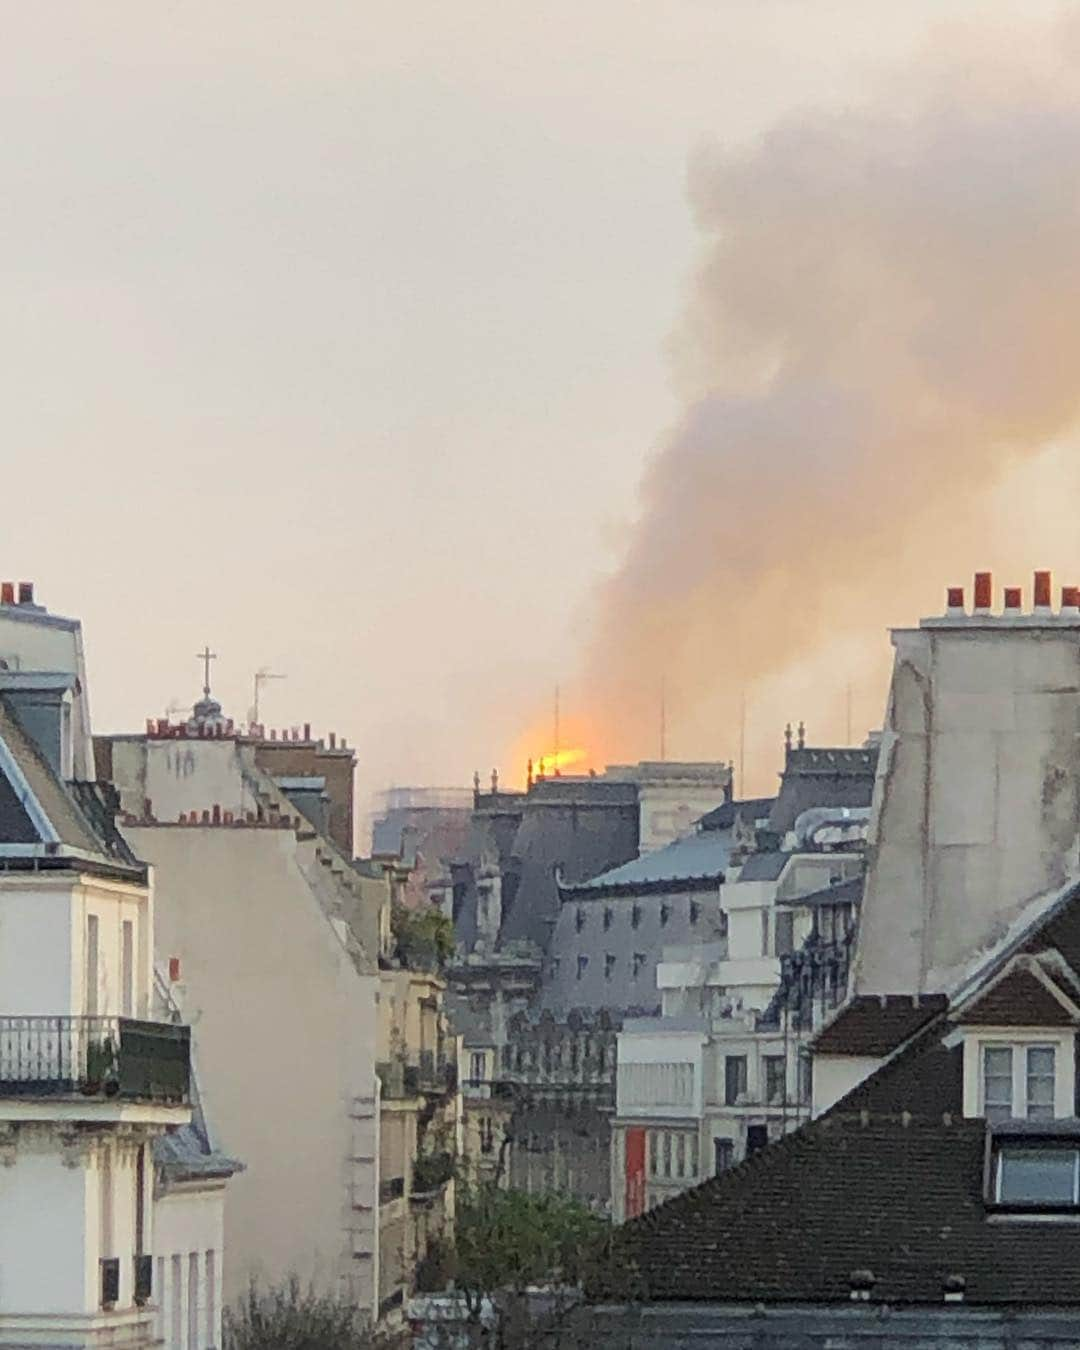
(261, 677)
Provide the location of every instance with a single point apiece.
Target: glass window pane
(997, 1082)
(1037, 1176)
(1040, 1082)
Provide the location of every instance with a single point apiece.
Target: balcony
(114, 1057)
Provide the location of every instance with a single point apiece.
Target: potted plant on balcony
(101, 1068)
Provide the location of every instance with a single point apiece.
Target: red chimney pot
(984, 590)
(1043, 590)
(174, 969)
(1013, 597)
(7, 593)
(1070, 597)
(955, 598)
(26, 592)
(217, 813)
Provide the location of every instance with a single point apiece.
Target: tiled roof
(874, 1025)
(902, 1200)
(889, 1180)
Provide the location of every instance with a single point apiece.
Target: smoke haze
(882, 361)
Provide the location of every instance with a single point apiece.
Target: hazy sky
(337, 335)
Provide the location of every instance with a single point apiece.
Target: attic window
(1036, 1176)
(1018, 1081)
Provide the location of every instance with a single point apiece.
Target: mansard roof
(47, 822)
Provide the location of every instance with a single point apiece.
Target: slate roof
(891, 1179)
(764, 866)
(823, 777)
(848, 892)
(901, 1200)
(874, 1025)
(79, 815)
(723, 817)
(697, 857)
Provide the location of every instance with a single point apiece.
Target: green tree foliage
(424, 936)
(289, 1318)
(509, 1240)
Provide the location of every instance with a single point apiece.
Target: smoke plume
(885, 326)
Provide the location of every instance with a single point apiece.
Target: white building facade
(90, 1082)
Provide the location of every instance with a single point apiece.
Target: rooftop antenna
(556, 755)
(261, 677)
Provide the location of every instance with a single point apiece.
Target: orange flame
(555, 761)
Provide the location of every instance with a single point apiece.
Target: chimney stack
(955, 601)
(1070, 602)
(26, 592)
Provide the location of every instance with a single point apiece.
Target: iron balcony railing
(106, 1056)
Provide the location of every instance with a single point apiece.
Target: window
(654, 1153)
(1018, 1081)
(1040, 1082)
(765, 932)
(477, 1066)
(607, 917)
(127, 969)
(91, 965)
(665, 915)
(609, 966)
(487, 1135)
(806, 1081)
(775, 1079)
(692, 1156)
(695, 912)
(639, 963)
(555, 964)
(734, 1078)
(1037, 1176)
(579, 918)
(635, 917)
(757, 1136)
(785, 934)
(997, 1082)
(680, 1155)
(723, 1154)
(667, 1153)
(582, 966)
(193, 1301)
(211, 1299)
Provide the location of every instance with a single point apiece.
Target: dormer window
(1018, 1082)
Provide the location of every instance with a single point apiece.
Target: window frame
(977, 1040)
(1003, 1144)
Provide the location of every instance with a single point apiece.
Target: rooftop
(696, 858)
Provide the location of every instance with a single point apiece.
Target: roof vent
(953, 1288)
(862, 1285)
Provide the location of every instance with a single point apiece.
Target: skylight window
(1037, 1176)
